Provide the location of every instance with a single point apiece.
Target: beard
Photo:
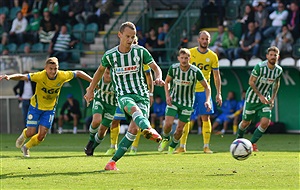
(203, 46)
(272, 62)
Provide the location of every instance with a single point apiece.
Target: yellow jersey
(206, 62)
(47, 90)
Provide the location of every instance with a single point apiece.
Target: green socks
(174, 142)
(140, 120)
(97, 141)
(259, 131)
(92, 133)
(123, 146)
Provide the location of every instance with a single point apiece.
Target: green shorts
(184, 112)
(106, 110)
(251, 109)
(131, 100)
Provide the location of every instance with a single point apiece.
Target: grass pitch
(60, 163)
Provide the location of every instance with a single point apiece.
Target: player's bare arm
(274, 93)
(167, 92)
(89, 96)
(83, 75)
(208, 94)
(149, 80)
(158, 74)
(217, 80)
(14, 77)
(252, 81)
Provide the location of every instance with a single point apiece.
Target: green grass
(59, 163)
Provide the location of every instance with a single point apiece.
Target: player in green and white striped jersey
(126, 65)
(180, 98)
(104, 108)
(265, 77)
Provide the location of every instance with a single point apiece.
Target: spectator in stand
(103, 12)
(4, 29)
(27, 59)
(237, 115)
(25, 8)
(230, 44)
(284, 40)
(151, 43)
(161, 41)
(24, 90)
(70, 111)
(39, 5)
(228, 107)
(87, 13)
(247, 17)
(278, 18)
(75, 8)
(141, 36)
(48, 27)
(32, 30)
(261, 17)
(159, 108)
(61, 44)
(17, 31)
(53, 8)
(249, 42)
(293, 20)
(217, 41)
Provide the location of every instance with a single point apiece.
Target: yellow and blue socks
(33, 141)
(114, 135)
(206, 132)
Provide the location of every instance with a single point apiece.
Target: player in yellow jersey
(43, 103)
(208, 62)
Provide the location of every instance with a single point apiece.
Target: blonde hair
(184, 51)
(273, 48)
(52, 60)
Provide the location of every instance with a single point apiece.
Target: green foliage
(60, 163)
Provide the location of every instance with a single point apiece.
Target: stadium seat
(4, 10)
(296, 51)
(78, 31)
(232, 12)
(90, 32)
(240, 62)
(1, 48)
(12, 47)
(37, 48)
(234, 2)
(13, 13)
(224, 62)
(20, 49)
(288, 61)
(253, 62)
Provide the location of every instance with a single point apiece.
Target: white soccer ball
(241, 149)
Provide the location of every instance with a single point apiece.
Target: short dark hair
(273, 48)
(127, 24)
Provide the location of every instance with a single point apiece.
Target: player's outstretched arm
(17, 76)
(89, 96)
(83, 75)
(158, 74)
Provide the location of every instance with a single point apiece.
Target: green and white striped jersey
(106, 93)
(182, 85)
(265, 81)
(127, 69)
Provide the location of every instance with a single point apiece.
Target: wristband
(150, 94)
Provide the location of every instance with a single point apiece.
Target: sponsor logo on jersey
(127, 70)
(266, 80)
(182, 82)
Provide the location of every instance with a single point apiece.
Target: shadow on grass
(24, 176)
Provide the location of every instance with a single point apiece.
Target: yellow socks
(137, 139)
(33, 141)
(185, 133)
(24, 133)
(114, 135)
(206, 131)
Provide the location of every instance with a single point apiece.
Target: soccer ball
(241, 149)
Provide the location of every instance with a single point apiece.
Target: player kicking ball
(43, 103)
(180, 97)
